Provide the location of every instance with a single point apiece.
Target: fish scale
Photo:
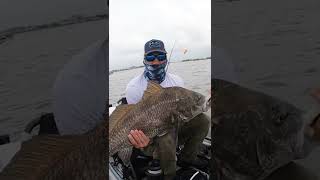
(254, 133)
(84, 156)
(56, 157)
(153, 115)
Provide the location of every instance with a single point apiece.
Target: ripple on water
(274, 84)
(5, 119)
(42, 104)
(17, 107)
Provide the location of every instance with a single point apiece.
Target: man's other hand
(138, 139)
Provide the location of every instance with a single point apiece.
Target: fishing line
(170, 55)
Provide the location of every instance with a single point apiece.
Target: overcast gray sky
(132, 23)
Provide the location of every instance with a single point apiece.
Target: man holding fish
(155, 61)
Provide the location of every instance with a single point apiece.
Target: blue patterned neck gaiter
(155, 72)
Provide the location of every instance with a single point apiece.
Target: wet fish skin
(254, 133)
(157, 112)
(76, 157)
(55, 157)
(292, 171)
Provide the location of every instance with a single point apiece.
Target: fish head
(190, 103)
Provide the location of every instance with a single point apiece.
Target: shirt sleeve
(132, 94)
(180, 82)
(80, 92)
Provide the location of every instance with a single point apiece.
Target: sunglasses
(152, 57)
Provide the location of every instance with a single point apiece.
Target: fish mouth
(184, 118)
(203, 106)
(193, 113)
(207, 104)
(187, 119)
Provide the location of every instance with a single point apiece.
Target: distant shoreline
(136, 67)
(197, 59)
(7, 34)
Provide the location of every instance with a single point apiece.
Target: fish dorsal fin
(119, 113)
(152, 88)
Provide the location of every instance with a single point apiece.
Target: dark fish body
(56, 157)
(156, 113)
(253, 133)
(84, 157)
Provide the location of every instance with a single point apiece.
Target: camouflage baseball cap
(154, 45)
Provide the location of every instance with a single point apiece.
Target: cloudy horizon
(132, 23)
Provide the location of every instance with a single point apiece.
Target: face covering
(155, 73)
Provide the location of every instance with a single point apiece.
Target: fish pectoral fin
(125, 155)
(119, 113)
(152, 88)
(162, 133)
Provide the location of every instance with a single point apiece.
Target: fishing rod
(170, 55)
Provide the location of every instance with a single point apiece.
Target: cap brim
(155, 50)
